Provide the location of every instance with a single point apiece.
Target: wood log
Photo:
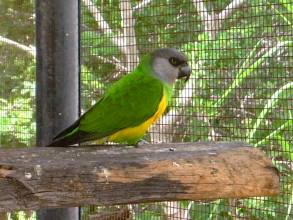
(40, 178)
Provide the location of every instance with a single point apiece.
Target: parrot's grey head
(169, 64)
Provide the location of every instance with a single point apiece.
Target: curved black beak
(184, 71)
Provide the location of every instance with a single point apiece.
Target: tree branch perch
(39, 178)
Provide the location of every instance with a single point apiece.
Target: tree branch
(126, 42)
(142, 4)
(39, 178)
(230, 9)
(128, 36)
(31, 49)
(102, 24)
(211, 21)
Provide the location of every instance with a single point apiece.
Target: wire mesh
(240, 89)
(17, 78)
(17, 81)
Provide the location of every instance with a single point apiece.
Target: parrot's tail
(63, 142)
(74, 138)
(67, 140)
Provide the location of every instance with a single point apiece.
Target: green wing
(128, 103)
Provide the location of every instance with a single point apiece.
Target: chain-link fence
(240, 89)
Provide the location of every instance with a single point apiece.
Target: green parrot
(131, 105)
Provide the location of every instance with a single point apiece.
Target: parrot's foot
(141, 142)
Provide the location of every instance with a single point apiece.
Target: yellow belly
(129, 134)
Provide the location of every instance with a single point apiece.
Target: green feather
(128, 103)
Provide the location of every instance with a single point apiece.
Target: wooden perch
(40, 178)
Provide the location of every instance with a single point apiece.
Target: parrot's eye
(174, 61)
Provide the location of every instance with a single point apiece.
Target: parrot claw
(141, 142)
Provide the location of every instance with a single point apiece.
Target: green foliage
(17, 78)
(20, 215)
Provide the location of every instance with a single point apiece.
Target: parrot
(127, 110)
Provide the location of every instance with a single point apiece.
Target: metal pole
(57, 92)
